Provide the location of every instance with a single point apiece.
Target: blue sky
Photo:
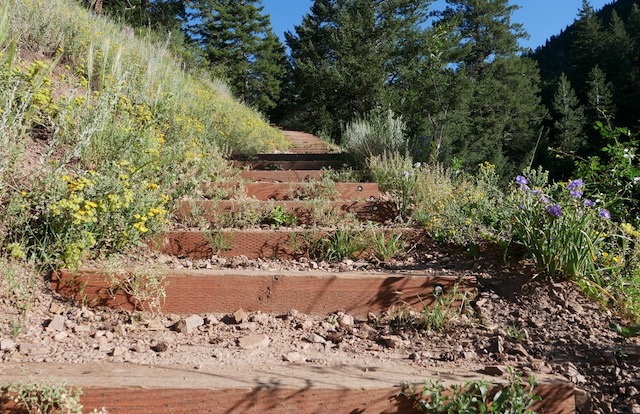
(541, 18)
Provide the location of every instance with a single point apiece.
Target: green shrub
(380, 133)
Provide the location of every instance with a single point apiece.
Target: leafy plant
(379, 134)
(383, 245)
(144, 286)
(475, 397)
(562, 231)
(280, 217)
(50, 396)
(343, 243)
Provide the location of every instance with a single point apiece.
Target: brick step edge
(227, 290)
(255, 244)
(289, 190)
(289, 165)
(324, 156)
(282, 176)
(376, 211)
(285, 389)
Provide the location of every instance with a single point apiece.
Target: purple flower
(604, 213)
(575, 185)
(576, 193)
(554, 210)
(536, 192)
(522, 180)
(544, 199)
(588, 203)
(407, 174)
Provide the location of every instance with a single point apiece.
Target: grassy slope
(101, 130)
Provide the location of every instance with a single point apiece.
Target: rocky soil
(532, 324)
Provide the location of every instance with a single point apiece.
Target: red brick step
(311, 292)
(279, 389)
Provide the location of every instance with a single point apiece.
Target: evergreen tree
(348, 56)
(160, 15)
(587, 43)
(503, 107)
(600, 104)
(240, 47)
(569, 118)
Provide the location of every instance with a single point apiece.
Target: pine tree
(503, 106)
(348, 55)
(587, 43)
(569, 118)
(160, 15)
(240, 47)
(600, 104)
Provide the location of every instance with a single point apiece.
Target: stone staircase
(273, 180)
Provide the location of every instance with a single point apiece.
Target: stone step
(376, 211)
(282, 176)
(254, 243)
(290, 165)
(301, 190)
(275, 389)
(311, 292)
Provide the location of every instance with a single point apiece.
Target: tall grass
(119, 131)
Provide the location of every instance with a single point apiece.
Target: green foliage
(569, 118)
(380, 133)
(280, 217)
(240, 47)
(615, 172)
(349, 55)
(342, 243)
(48, 397)
(474, 397)
(126, 131)
(563, 233)
(385, 245)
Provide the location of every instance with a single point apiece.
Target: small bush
(380, 133)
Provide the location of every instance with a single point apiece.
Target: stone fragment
(260, 318)
(160, 347)
(314, 338)
(120, 330)
(118, 351)
(32, 349)
(55, 308)
(155, 324)
(189, 324)
(495, 370)
(248, 326)
(240, 316)
(583, 401)
(305, 325)
(82, 329)
(519, 350)
(254, 341)
(60, 336)
(392, 341)
(56, 324)
(211, 320)
(346, 320)
(293, 357)
(7, 344)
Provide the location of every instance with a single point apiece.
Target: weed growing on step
(217, 241)
(476, 397)
(343, 243)
(279, 217)
(439, 315)
(324, 189)
(144, 286)
(51, 396)
(385, 245)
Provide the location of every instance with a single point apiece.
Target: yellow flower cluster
(630, 230)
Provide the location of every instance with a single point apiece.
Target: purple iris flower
(544, 199)
(576, 193)
(522, 181)
(575, 184)
(588, 203)
(554, 210)
(604, 213)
